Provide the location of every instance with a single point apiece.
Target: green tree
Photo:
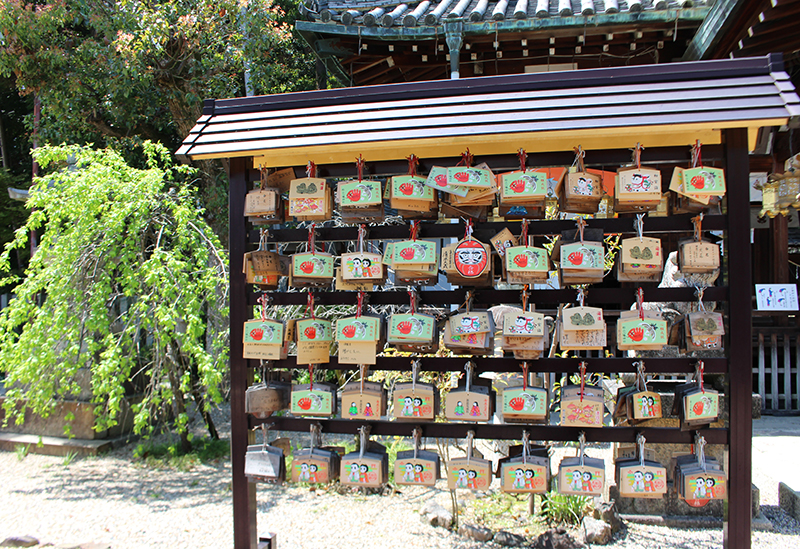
(127, 279)
(117, 72)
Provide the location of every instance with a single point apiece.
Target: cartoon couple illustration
(523, 479)
(412, 472)
(358, 473)
(581, 482)
(308, 472)
(411, 407)
(648, 406)
(467, 479)
(354, 409)
(704, 488)
(643, 482)
(475, 411)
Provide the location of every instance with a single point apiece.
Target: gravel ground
(118, 503)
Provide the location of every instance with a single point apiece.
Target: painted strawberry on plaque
(698, 182)
(521, 260)
(643, 332)
(310, 332)
(349, 331)
(525, 183)
(404, 327)
(407, 253)
(517, 404)
(407, 188)
(441, 180)
(307, 267)
(354, 195)
(257, 333)
(304, 403)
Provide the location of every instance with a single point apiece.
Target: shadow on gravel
(159, 489)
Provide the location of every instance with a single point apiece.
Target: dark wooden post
(736, 533)
(244, 492)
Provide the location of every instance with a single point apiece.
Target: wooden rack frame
(733, 286)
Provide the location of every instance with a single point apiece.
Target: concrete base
(759, 523)
(57, 446)
(789, 500)
(81, 427)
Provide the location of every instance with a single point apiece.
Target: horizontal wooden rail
(484, 231)
(654, 435)
(489, 297)
(501, 364)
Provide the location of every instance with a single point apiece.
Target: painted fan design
(585, 320)
(645, 254)
(302, 188)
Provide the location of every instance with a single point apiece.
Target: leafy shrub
(560, 508)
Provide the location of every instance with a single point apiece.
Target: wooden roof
(389, 13)
(669, 104)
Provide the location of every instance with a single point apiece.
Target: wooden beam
(244, 492)
(737, 525)
(726, 18)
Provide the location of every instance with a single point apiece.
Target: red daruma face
(470, 258)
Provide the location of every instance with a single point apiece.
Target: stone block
(789, 500)
(596, 532)
(20, 541)
(477, 533)
(434, 514)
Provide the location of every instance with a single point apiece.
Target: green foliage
(22, 450)
(564, 509)
(129, 68)
(13, 214)
(69, 457)
(499, 510)
(128, 281)
(170, 454)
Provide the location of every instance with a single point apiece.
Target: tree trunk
(201, 406)
(178, 403)
(3, 150)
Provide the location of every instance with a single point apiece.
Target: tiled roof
(748, 92)
(388, 13)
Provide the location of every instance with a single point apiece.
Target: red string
(524, 235)
(583, 378)
(524, 376)
(581, 222)
(312, 240)
(637, 156)
(263, 300)
(413, 162)
(360, 167)
(310, 304)
(523, 157)
(468, 230)
(311, 169)
(466, 159)
(414, 229)
(413, 300)
(640, 302)
(360, 303)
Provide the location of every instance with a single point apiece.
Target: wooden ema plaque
(637, 188)
(415, 401)
(519, 323)
(358, 339)
(367, 470)
(264, 339)
(582, 318)
(645, 405)
(315, 466)
(582, 328)
(474, 322)
(318, 400)
(264, 463)
(531, 477)
(262, 202)
(579, 192)
(470, 177)
(641, 256)
(637, 480)
(576, 479)
(582, 412)
(316, 265)
(703, 182)
(437, 180)
(362, 266)
(524, 403)
(698, 482)
(309, 199)
(528, 187)
(635, 333)
(469, 473)
(526, 264)
(704, 331)
(411, 328)
(314, 337)
(698, 256)
(415, 253)
(469, 403)
(367, 403)
(359, 194)
(262, 400)
(419, 470)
